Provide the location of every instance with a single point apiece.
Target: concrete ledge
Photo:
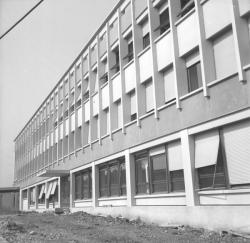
(216, 218)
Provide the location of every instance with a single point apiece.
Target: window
(193, 71)
(149, 96)
(145, 34)
(209, 160)
(133, 109)
(41, 195)
(83, 184)
(186, 6)
(116, 67)
(32, 196)
(130, 54)
(160, 170)
(164, 22)
(146, 41)
(112, 179)
(169, 85)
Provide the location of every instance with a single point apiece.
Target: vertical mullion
(167, 171)
(83, 110)
(63, 120)
(109, 79)
(58, 127)
(149, 171)
(75, 111)
(90, 97)
(69, 93)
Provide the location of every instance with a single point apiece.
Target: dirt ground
(82, 227)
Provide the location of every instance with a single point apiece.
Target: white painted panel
(25, 204)
(87, 111)
(48, 142)
(73, 120)
(119, 114)
(149, 96)
(188, 35)
(61, 131)
(161, 201)
(117, 202)
(133, 107)
(237, 148)
(164, 52)
(244, 6)
(95, 104)
(51, 139)
(105, 97)
(206, 148)
(216, 15)
(225, 199)
(174, 156)
(56, 135)
(82, 204)
(157, 150)
(145, 27)
(224, 55)
(117, 88)
(146, 66)
(129, 74)
(169, 85)
(67, 127)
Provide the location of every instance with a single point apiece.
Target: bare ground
(82, 227)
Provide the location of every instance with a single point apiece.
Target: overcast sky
(34, 55)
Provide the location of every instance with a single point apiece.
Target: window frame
(107, 166)
(189, 80)
(149, 187)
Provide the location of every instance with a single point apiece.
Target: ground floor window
(112, 179)
(160, 170)
(32, 196)
(83, 184)
(222, 157)
(41, 194)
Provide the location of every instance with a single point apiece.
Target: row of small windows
(221, 161)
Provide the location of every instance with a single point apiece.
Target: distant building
(152, 119)
(9, 199)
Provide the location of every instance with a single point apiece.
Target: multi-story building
(151, 120)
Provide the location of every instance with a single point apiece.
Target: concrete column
(59, 192)
(28, 195)
(21, 200)
(187, 143)
(72, 190)
(95, 185)
(130, 178)
(37, 195)
(46, 200)
(241, 39)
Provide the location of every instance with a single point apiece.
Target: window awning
(49, 190)
(237, 148)
(206, 148)
(53, 173)
(174, 156)
(53, 188)
(42, 192)
(157, 150)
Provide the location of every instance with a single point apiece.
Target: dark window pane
(177, 181)
(133, 117)
(103, 178)
(78, 186)
(123, 179)
(130, 51)
(114, 180)
(164, 21)
(159, 173)
(146, 40)
(142, 179)
(85, 185)
(194, 77)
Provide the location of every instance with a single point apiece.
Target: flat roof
(75, 60)
(9, 189)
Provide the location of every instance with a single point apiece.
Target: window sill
(115, 75)
(224, 191)
(246, 67)
(143, 51)
(179, 21)
(173, 194)
(216, 81)
(191, 93)
(128, 64)
(162, 36)
(83, 200)
(104, 56)
(94, 66)
(130, 123)
(86, 75)
(116, 130)
(105, 136)
(105, 84)
(112, 198)
(146, 115)
(170, 103)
